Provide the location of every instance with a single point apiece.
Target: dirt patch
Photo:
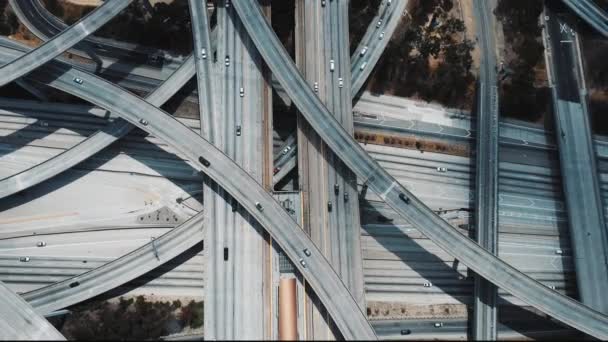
(393, 310)
(412, 143)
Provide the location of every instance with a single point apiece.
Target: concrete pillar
(288, 313)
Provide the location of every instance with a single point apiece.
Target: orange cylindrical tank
(288, 316)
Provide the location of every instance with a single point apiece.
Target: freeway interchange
(203, 152)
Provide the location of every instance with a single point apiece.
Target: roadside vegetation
(428, 57)
(131, 319)
(524, 93)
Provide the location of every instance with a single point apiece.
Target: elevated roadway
(577, 157)
(45, 25)
(19, 321)
(237, 247)
(96, 142)
(66, 39)
(486, 194)
(252, 197)
(374, 41)
(329, 216)
(409, 207)
(119, 271)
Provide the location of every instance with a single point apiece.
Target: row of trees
(132, 319)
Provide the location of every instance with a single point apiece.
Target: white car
(286, 150)
(316, 87)
(381, 35)
(340, 82)
(78, 80)
(41, 244)
(427, 284)
(24, 259)
(379, 23)
(363, 66)
(204, 53)
(438, 324)
(242, 92)
(332, 65)
(363, 51)
(441, 169)
(227, 61)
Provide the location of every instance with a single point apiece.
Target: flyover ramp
(375, 40)
(47, 51)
